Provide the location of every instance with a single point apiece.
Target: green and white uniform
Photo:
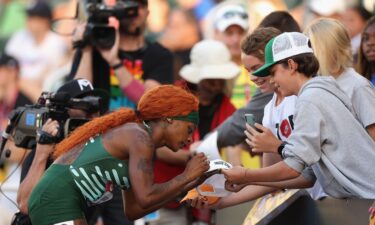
(64, 190)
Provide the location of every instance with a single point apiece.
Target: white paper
(217, 181)
(209, 147)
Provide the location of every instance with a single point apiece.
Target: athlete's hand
(196, 166)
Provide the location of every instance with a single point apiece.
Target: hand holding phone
(249, 117)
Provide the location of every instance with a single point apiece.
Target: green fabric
(12, 17)
(268, 61)
(192, 117)
(64, 190)
(95, 169)
(55, 198)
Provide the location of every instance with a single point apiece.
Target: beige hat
(210, 59)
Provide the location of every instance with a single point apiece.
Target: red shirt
(164, 172)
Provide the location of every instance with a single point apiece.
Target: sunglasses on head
(232, 14)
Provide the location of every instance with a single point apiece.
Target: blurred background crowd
(41, 57)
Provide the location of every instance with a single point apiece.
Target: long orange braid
(160, 102)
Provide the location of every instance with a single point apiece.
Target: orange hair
(160, 102)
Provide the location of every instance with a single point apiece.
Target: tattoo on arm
(145, 166)
(143, 137)
(181, 177)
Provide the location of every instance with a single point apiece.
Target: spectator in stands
(11, 97)
(293, 69)
(231, 132)
(181, 25)
(332, 9)
(354, 19)
(278, 111)
(366, 54)
(38, 50)
(331, 43)
(231, 22)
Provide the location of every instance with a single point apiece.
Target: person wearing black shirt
(131, 67)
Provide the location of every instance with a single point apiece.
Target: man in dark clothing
(132, 66)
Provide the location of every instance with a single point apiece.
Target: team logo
(285, 128)
(84, 84)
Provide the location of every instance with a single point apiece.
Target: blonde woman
(332, 47)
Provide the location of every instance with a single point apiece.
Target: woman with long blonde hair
(117, 151)
(332, 47)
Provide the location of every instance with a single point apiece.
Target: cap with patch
(77, 88)
(80, 88)
(40, 8)
(281, 47)
(231, 15)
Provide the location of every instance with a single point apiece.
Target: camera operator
(39, 159)
(132, 66)
(11, 97)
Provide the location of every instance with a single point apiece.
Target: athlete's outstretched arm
(146, 192)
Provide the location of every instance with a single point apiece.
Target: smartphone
(250, 119)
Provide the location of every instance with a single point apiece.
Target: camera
(98, 33)
(26, 120)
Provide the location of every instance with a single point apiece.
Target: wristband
(281, 148)
(134, 90)
(44, 138)
(117, 66)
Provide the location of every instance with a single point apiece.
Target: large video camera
(98, 33)
(24, 121)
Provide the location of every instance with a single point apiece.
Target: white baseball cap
(210, 59)
(231, 15)
(281, 47)
(327, 8)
